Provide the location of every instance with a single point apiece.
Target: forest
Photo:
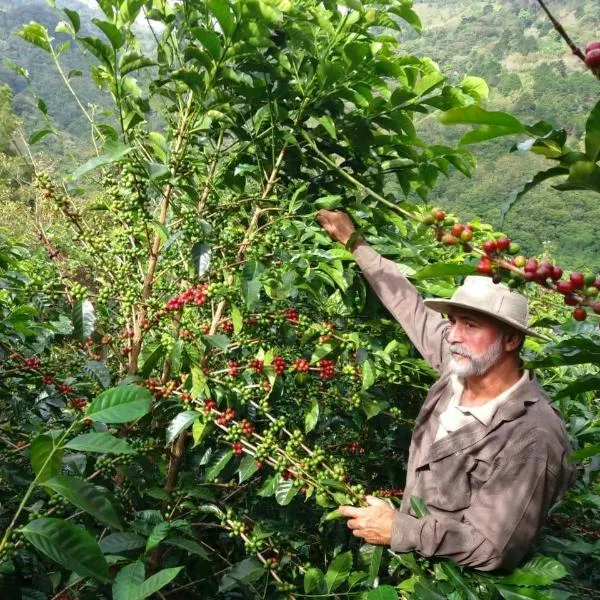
(193, 375)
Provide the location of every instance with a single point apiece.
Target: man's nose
(453, 336)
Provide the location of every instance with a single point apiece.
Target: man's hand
(337, 224)
(373, 523)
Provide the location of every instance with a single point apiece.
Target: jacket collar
(512, 408)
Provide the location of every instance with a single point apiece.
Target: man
(488, 452)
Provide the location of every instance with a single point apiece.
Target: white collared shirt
(456, 416)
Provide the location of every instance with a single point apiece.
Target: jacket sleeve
(501, 523)
(426, 328)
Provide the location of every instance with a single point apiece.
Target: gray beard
(476, 365)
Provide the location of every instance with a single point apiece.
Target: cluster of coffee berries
(196, 296)
(354, 448)
(209, 405)
(32, 363)
(326, 368)
(227, 326)
(246, 427)
(279, 365)
(237, 448)
(233, 368)
(185, 398)
(78, 403)
(47, 379)
(256, 364)
(158, 390)
(225, 417)
(389, 492)
(592, 57)
(292, 315)
(301, 365)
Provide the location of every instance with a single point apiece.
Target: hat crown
(495, 299)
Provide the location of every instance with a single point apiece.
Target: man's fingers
(349, 511)
(353, 524)
(374, 501)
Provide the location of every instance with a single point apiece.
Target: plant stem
(563, 34)
(32, 486)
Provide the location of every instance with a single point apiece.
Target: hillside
(532, 75)
(511, 44)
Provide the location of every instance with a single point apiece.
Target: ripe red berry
(557, 273)
(571, 300)
(579, 314)
(279, 365)
(457, 229)
(489, 246)
(592, 58)
(484, 266)
(564, 287)
(233, 368)
(449, 240)
(301, 365)
(326, 368)
(531, 265)
(593, 45)
(438, 214)
(577, 279)
(596, 307)
(503, 244)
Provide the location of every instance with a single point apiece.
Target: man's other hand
(337, 224)
(373, 523)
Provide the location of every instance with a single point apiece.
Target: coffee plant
(196, 377)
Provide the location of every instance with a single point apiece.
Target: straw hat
(496, 300)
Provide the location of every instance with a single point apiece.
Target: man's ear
(513, 340)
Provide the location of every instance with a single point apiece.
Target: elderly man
(488, 451)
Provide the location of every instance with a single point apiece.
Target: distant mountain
(510, 43)
(533, 75)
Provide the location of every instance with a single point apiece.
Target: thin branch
(563, 34)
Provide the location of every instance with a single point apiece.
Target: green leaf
(115, 37)
(45, 457)
(102, 442)
(210, 40)
(219, 341)
(338, 571)
(251, 292)
(38, 135)
(478, 116)
(87, 497)
(69, 545)
(583, 175)
(246, 571)
(419, 506)
(188, 545)
(128, 579)
(368, 374)
(36, 34)
(247, 468)
(545, 566)
(314, 580)
(370, 559)
(99, 370)
(181, 422)
(484, 133)
(592, 134)
(236, 319)
(84, 320)
(516, 593)
(441, 270)
(199, 430)
(159, 532)
(285, 492)
(120, 404)
(455, 577)
(383, 592)
(476, 87)
(74, 18)
(328, 202)
(220, 11)
(115, 543)
(586, 383)
(312, 416)
(100, 50)
(133, 61)
(329, 126)
(201, 255)
(584, 453)
(115, 152)
(222, 460)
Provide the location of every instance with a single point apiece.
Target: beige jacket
(488, 487)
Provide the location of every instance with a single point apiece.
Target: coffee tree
(204, 376)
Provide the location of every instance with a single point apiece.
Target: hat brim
(446, 306)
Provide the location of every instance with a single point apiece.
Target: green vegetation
(193, 376)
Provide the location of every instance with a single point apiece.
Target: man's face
(476, 343)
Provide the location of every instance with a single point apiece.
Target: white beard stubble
(476, 365)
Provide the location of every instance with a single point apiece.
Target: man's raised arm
(425, 327)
